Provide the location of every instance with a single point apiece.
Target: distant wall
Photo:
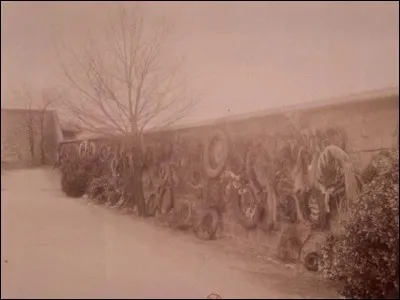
(15, 137)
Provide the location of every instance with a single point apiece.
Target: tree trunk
(136, 194)
(42, 156)
(31, 141)
(139, 195)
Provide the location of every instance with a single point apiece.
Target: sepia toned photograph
(199, 149)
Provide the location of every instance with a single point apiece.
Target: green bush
(365, 257)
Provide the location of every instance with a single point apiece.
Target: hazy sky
(241, 56)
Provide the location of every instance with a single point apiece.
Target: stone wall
(18, 128)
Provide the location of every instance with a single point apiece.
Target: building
(29, 137)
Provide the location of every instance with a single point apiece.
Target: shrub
(100, 188)
(74, 183)
(365, 257)
(77, 174)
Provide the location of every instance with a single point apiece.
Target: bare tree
(49, 99)
(30, 128)
(123, 85)
(36, 118)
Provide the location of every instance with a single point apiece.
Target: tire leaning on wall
(114, 166)
(251, 167)
(82, 148)
(215, 171)
(244, 220)
(166, 201)
(91, 148)
(152, 204)
(62, 153)
(207, 225)
(104, 152)
(312, 261)
(184, 215)
(161, 201)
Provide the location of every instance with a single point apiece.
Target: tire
(183, 215)
(207, 226)
(114, 166)
(91, 149)
(289, 211)
(152, 205)
(215, 171)
(163, 172)
(214, 296)
(251, 174)
(166, 201)
(83, 148)
(244, 220)
(104, 153)
(167, 149)
(73, 151)
(311, 261)
(316, 209)
(62, 154)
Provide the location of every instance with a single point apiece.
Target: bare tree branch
(124, 85)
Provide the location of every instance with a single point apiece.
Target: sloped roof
(367, 96)
(25, 110)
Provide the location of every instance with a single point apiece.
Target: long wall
(370, 125)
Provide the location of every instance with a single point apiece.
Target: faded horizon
(239, 56)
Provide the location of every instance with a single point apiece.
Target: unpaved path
(56, 247)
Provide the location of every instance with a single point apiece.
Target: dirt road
(56, 247)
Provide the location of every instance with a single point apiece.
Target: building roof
(22, 110)
(367, 96)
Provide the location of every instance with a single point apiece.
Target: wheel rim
(312, 261)
(250, 204)
(91, 149)
(82, 148)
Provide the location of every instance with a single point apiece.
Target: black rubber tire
(248, 223)
(205, 230)
(213, 172)
(311, 261)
